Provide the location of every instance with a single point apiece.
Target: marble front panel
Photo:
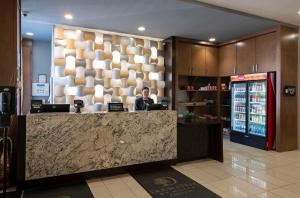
(67, 143)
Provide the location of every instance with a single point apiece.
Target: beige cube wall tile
(120, 64)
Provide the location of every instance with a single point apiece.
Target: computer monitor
(56, 107)
(154, 107)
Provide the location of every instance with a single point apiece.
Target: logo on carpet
(165, 181)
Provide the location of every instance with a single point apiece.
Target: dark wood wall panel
(8, 40)
(287, 131)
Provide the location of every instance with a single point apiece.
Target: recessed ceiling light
(212, 39)
(68, 16)
(29, 33)
(141, 28)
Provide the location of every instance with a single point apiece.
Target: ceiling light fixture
(141, 28)
(68, 16)
(29, 33)
(212, 39)
(299, 12)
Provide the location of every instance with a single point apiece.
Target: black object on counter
(154, 107)
(115, 107)
(78, 104)
(36, 106)
(56, 107)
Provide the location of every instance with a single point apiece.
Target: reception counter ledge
(67, 143)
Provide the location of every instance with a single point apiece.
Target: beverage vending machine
(253, 110)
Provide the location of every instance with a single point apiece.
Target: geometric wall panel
(98, 68)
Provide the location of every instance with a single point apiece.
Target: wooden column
(287, 106)
(27, 76)
(9, 61)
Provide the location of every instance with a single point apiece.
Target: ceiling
(280, 10)
(162, 18)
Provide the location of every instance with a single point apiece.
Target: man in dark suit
(142, 102)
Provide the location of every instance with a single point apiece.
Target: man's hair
(145, 88)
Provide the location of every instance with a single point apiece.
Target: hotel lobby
(174, 98)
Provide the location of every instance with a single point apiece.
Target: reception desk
(67, 143)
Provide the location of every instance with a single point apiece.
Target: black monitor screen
(154, 107)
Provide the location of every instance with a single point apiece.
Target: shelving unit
(225, 106)
(203, 104)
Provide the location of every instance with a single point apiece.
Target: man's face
(145, 93)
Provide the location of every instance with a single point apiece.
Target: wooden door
(266, 49)
(245, 56)
(211, 61)
(183, 58)
(198, 61)
(227, 60)
(26, 76)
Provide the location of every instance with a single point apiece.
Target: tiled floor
(246, 172)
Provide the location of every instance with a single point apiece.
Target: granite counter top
(67, 143)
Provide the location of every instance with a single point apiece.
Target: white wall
(41, 62)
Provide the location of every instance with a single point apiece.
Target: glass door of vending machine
(239, 106)
(257, 111)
